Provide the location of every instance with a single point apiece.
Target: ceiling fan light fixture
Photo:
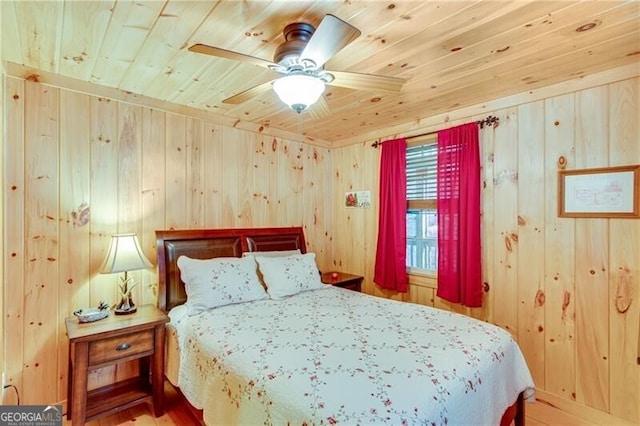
(299, 91)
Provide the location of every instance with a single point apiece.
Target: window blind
(421, 176)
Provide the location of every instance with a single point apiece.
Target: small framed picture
(601, 192)
(357, 199)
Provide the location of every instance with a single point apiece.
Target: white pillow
(217, 282)
(274, 253)
(286, 276)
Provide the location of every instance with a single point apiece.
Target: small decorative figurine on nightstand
(92, 314)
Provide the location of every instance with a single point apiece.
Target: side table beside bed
(109, 341)
(343, 279)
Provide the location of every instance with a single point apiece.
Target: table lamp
(125, 255)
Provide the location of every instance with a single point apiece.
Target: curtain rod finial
(490, 120)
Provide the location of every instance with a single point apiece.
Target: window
(422, 216)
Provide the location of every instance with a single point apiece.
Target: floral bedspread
(336, 356)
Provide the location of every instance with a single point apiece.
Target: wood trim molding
(44, 77)
(428, 281)
(579, 410)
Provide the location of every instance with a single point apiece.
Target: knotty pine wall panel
(261, 179)
(176, 172)
(317, 200)
(531, 332)
(269, 157)
(195, 180)
(213, 176)
(79, 168)
(560, 255)
(505, 220)
(592, 282)
(102, 205)
(290, 179)
(485, 313)
(74, 238)
(232, 178)
(40, 322)
(567, 289)
(14, 253)
(623, 266)
(153, 196)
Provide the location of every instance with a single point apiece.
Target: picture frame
(357, 199)
(605, 192)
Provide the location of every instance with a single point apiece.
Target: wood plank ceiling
(452, 53)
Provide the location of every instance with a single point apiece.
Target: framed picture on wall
(601, 192)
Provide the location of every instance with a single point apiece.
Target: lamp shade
(124, 255)
(299, 91)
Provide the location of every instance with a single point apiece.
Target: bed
(329, 355)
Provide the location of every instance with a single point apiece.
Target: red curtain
(390, 269)
(458, 183)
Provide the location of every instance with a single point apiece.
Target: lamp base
(126, 305)
(123, 311)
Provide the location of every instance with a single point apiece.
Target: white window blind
(421, 176)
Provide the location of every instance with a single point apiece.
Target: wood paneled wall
(79, 168)
(553, 282)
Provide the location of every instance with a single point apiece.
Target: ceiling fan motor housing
(297, 36)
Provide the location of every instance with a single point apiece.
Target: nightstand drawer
(119, 347)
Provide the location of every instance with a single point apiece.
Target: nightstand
(116, 339)
(344, 280)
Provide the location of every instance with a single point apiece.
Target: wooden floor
(176, 413)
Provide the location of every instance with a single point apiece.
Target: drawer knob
(123, 346)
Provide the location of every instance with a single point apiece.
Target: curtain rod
(489, 121)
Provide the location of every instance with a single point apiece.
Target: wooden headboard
(210, 243)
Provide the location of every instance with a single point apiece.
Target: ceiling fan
(301, 60)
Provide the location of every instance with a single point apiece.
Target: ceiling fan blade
(372, 82)
(332, 35)
(320, 109)
(235, 56)
(248, 94)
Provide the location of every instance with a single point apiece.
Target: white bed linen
(337, 356)
(172, 346)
